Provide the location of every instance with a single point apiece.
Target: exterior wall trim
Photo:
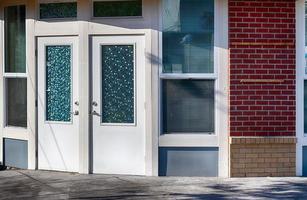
(300, 49)
(263, 140)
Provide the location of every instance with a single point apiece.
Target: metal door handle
(75, 112)
(95, 113)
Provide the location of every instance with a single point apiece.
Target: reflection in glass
(305, 106)
(188, 106)
(15, 39)
(16, 102)
(117, 84)
(188, 36)
(305, 38)
(58, 83)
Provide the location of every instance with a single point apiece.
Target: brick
(259, 157)
(271, 25)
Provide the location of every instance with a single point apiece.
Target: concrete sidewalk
(23, 184)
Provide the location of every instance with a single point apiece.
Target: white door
(58, 120)
(118, 106)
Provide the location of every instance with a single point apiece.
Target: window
(188, 28)
(58, 10)
(188, 75)
(15, 40)
(15, 66)
(117, 8)
(188, 106)
(305, 78)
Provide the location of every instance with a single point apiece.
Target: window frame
(115, 17)
(189, 76)
(8, 75)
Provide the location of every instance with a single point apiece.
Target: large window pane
(188, 106)
(58, 10)
(118, 8)
(16, 102)
(15, 39)
(58, 83)
(305, 106)
(117, 84)
(305, 37)
(188, 30)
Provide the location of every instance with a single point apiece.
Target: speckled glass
(58, 10)
(117, 84)
(58, 83)
(118, 8)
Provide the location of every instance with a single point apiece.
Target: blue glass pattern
(117, 84)
(58, 10)
(58, 83)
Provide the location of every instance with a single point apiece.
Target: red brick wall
(262, 47)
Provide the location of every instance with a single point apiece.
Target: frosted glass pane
(58, 10)
(58, 83)
(15, 39)
(16, 102)
(188, 106)
(188, 36)
(117, 8)
(117, 84)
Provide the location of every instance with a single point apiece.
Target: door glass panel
(58, 10)
(15, 39)
(16, 102)
(58, 83)
(188, 106)
(117, 84)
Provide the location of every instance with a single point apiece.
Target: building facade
(154, 87)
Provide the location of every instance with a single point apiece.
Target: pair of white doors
(117, 104)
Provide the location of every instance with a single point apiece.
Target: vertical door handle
(95, 113)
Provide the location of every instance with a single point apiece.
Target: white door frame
(57, 142)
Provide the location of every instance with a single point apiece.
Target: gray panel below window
(15, 153)
(188, 161)
(305, 161)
